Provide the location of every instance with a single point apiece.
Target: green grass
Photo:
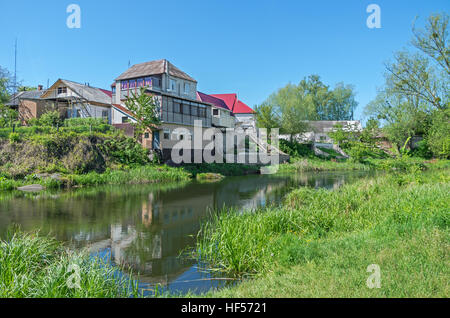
(38, 267)
(316, 164)
(136, 175)
(320, 242)
(392, 164)
(225, 169)
(209, 176)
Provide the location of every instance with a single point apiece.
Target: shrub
(51, 118)
(438, 137)
(295, 149)
(14, 137)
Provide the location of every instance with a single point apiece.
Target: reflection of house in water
(169, 222)
(147, 227)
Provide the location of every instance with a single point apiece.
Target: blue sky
(248, 47)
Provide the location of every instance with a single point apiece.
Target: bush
(422, 150)
(14, 137)
(295, 149)
(438, 137)
(51, 118)
(72, 122)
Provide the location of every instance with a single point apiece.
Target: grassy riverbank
(299, 164)
(83, 152)
(39, 267)
(320, 242)
(134, 175)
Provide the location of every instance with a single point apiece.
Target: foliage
(90, 121)
(146, 109)
(125, 150)
(51, 118)
(358, 145)
(416, 91)
(8, 116)
(319, 164)
(320, 230)
(293, 105)
(438, 136)
(295, 149)
(6, 85)
(266, 117)
(33, 266)
(14, 137)
(226, 169)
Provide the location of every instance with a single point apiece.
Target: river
(146, 227)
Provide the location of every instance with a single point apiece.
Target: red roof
(212, 100)
(109, 93)
(242, 108)
(124, 110)
(234, 104)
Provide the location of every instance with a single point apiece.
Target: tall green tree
(267, 117)
(7, 115)
(146, 109)
(5, 85)
(293, 105)
(417, 87)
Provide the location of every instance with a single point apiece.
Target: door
(156, 142)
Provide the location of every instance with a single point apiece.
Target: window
(124, 85)
(187, 88)
(215, 112)
(176, 107)
(62, 90)
(156, 82)
(146, 135)
(140, 82)
(202, 111)
(124, 119)
(194, 110)
(172, 85)
(133, 84)
(167, 134)
(104, 113)
(148, 81)
(185, 109)
(113, 89)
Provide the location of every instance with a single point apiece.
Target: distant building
(318, 131)
(71, 99)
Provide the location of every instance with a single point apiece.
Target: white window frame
(172, 82)
(188, 90)
(168, 132)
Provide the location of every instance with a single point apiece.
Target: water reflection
(146, 227)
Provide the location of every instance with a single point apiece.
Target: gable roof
(234, 104)
(229, 99)
(242, 108)
(154, 68)
(124, 110)
(14, 100)
(212, 100)
(92, 94)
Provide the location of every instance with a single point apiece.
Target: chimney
(40, 87)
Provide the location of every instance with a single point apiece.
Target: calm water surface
(146, 227)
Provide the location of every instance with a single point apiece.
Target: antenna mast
(15, 67)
